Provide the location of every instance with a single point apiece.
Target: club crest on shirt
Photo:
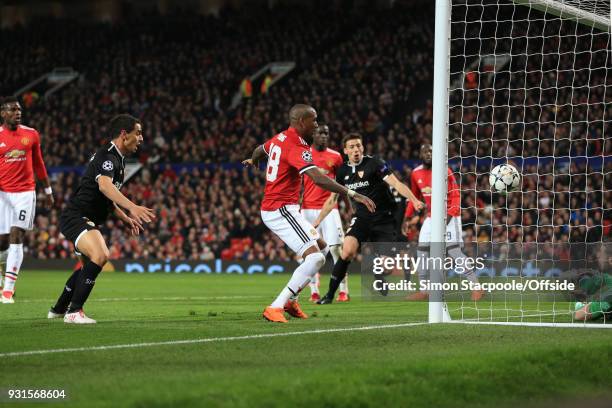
(360, 173)
(107, 165)
(25, 141)
(307, 156)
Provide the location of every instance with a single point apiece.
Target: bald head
(304, 119)
(300, 111)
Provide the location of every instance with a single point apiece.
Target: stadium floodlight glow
(522, 82)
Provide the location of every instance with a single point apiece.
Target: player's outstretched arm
(138, 213)
(326, 183)
(326, 209)
(258, 154)
(404, 190)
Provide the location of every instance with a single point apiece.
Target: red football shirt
(20, 158)
(420, 184)
(288, 157)
(329, 161)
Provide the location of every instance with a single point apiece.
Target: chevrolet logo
(13, 154)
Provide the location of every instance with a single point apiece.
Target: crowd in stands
(358, 68)
(205, 214)
(362, 70)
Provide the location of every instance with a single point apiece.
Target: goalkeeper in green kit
(598, 289)
(594, 287)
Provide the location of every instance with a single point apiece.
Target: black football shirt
(88, 201)
(368, 178)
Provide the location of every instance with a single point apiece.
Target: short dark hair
(121, 122)
(351, 136)
(6, 100)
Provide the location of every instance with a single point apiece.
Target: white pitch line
(149, 299)
(206, 340)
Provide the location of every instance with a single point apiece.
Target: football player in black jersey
(373, 178)
(96, 197)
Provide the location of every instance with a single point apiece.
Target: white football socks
(13, 264)
(300, 278)
(3, 255)
(314, 283)
(457, 254)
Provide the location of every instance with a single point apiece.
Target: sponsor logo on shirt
(15, 155)
(359, 184)
(426, 191)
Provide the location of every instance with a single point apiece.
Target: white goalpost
(528, 83)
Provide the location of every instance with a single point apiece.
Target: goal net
(531, 86)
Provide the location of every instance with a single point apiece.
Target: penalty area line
(206, 340)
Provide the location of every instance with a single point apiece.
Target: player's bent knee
(100, 257)
(17, 235)
(317, 258)
(349, 252)
(321, 243)
(310, 250)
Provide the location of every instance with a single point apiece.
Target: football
(504, 178)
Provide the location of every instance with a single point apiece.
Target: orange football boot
(294, 309)
(274, 314)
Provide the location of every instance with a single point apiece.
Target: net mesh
(533, 89)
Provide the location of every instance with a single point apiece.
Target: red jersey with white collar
(420, 184)
(20, 159)
(288, 157)
(329, 161)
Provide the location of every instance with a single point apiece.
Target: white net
(531, 85)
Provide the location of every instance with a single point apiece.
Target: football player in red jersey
(20, 160)
(289, 157)
(420, 184)
(313, 199)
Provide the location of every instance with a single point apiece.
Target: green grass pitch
(410, 366)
